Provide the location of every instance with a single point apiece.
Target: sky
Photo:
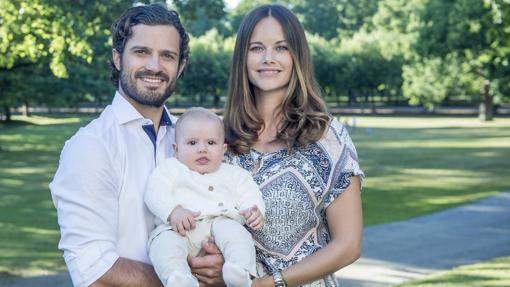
(231, 3)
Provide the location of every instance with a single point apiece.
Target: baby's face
(200, 144)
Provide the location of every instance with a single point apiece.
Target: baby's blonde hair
(199, 113)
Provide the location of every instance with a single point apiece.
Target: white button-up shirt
(99, 187)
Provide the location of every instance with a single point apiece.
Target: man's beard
(146, 97)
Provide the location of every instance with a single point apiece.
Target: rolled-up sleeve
(85, 193)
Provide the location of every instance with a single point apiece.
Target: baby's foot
(235, 276)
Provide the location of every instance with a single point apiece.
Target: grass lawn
(29, 152)
(485, 274)
(414, 166)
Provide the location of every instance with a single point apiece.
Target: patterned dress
(297, 188)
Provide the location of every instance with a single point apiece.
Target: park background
(424, 86)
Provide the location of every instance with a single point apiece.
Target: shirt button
(211, 188)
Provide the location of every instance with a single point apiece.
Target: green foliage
(200, 16)
(51, 50)
(38, 29)
(444, 38)
(434, 80)
(335, 18)
(355, 68)
(56, 52)
(206, 78)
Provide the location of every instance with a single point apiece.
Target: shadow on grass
(410, 172)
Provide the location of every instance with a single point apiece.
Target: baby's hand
(253, 216)
(182, 219)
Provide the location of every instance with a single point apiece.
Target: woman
(303, 159)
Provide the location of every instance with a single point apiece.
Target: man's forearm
(126, 273)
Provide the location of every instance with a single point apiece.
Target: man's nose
(153, 63)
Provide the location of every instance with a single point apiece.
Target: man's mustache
(163, 76)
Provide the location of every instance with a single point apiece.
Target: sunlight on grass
(456, 199)
(437, 172)
(39, 231)
(413, 167)
(486, 274)
(421, 122)
(42, 120)
(24, 170)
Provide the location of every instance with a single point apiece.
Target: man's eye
(168, 56)
(141, 52)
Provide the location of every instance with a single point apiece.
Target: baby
(194, 196)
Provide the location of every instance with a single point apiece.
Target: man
(99, 186)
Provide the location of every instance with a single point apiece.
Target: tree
(237, 14)
(207, 73)
(433, 35)
(42, 38)
(200, 16)
(334, 18)
(478, 33)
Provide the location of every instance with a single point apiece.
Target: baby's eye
(192, 142)
(211, 142)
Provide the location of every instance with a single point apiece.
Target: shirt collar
(125, 112)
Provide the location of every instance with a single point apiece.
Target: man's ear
(224, 148)
(116, 58)
(181, 68)
(174, 146)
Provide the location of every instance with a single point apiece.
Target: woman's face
(269, 61)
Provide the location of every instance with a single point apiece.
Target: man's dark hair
(151, 15)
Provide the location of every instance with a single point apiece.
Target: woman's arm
(345, 222)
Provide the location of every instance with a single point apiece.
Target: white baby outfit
(218, 196)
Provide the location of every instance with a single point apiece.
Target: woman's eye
(282, 48)
(256, 49)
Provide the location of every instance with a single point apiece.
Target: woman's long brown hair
(303, 111)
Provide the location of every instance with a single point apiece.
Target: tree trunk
(25, 112)
(7, 112)
(486, 108)
(216, 101)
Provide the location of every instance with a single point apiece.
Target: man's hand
(182, 219)
(207, 265)
(253, 216)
